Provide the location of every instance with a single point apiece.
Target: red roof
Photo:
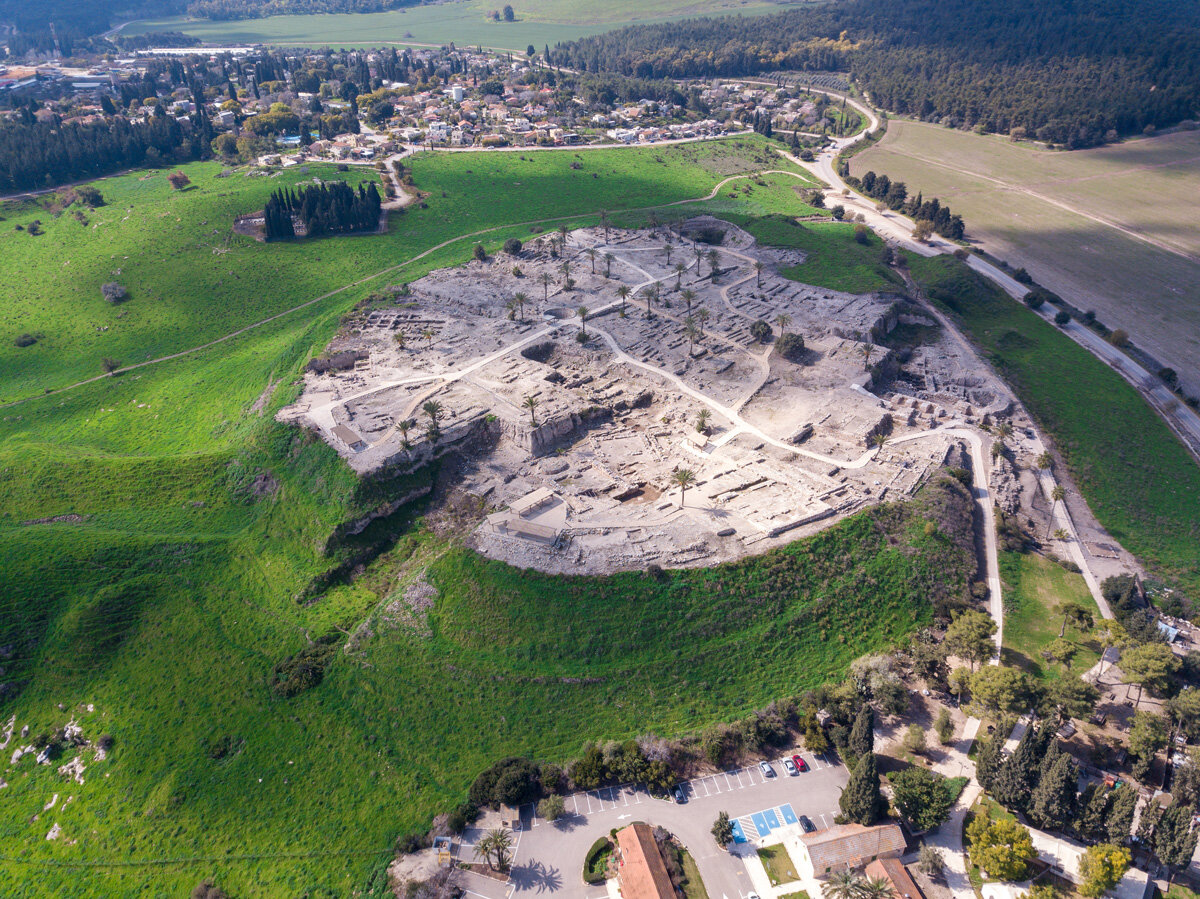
(642, 873)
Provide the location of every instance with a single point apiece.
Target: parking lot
(548, 857)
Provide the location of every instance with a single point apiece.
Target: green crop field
(1071, 220)
(463, 22)
(1034, 586)
(156, 607)
(1136, 476)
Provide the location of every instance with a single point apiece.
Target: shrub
(861, 233)
(511, 781)
(25, 340)
(1062, 318)
(1119, 337)
(305, 669)
(479, 253)
(790, 346)
(109, 364)
(89, 196)
(114, 292)
(178, 180)
(760, 331)
(512, 247)
(595, 863)
(1034, 300)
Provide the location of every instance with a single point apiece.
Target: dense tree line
(334, 208)
(36, 154)
(895, 195)
(254, 9)
(1073, 74)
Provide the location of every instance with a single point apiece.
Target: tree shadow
(536, 877)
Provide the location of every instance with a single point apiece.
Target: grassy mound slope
(1134, 473)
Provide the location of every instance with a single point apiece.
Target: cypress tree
(1118, 822)
(1016, 777)
(1052, 803)
(861, 801)
(987, 762)
(862, 734)
(1093, 806)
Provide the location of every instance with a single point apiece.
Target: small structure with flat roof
(349, 438)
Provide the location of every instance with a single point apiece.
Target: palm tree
(483, 849)
(1057, 495)
(405, 425)
(680, 268)
(563, 231)
(501, 842)
(427, 335)
(875, 888)
(521, 299)
(683, 478)
(433, 409)
(868, 350)
(878, 440)
(650, 294)
(401, 340)
(692, 332)
(714, 262)
(623, 292)
(699, 255)
(783, 320)
(582, 312)
(608, 261)
(604, 223)
(702, 418)
(668, 247)
(531, 404)
(546, 282)
(1004, 430)
(565, 268)
(1061, 535)
(702, 315)
(511, 306)
(689, 296)
(1045, 461)
(842, 885)
(591, 254)
(653, 221)
(758, 270)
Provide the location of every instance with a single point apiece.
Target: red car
(800, 763)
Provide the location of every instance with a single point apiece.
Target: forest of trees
(1071, 74)
(35, 154)
(334, 208)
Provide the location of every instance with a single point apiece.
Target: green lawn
(693, 888)
(779, 865)
(1136, 476)
(1034, 586)
(157, 613)
(835, 259)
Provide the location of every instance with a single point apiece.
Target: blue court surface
(764, 822)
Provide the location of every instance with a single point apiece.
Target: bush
(790, 346)
(595, 863)
(1119, 337)
(1062, 318)
(25, 340)
(552, 807)
(1034, 300)
(178, 180)
(109, 364)
(114, 292)
(89, 196)
(479, 253)
(512, 247)
(462, 815)
(305, 669)
(760, 331)
(511, 781)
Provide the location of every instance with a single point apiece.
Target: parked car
(806, 825)
(790, 767)
(679, 794)
(800, 763)
(766, 769)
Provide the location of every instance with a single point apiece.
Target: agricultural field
(463, 22)
(158, 526)
(1110, 229)
(1137, 478)
(1034, 586)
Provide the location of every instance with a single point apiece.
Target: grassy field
(835, 259)
(1136, 476)
(464, 22)
(779, 865)
(1067, 218)
(192, 280)
(1034, 586)
(158, 610)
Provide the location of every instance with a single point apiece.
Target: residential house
(641, 872)
(847, 847)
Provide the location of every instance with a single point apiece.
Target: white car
(766, 769)
(790, 767)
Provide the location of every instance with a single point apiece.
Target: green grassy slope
(158, 615)
(1136, 476)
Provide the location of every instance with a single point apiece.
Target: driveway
(549, 857)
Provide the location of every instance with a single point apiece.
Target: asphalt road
(548, 859)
